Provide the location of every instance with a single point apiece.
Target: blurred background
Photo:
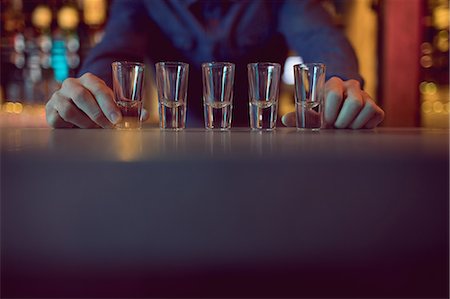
(402, 47)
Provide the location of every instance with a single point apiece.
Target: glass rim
(217, 64)
(253, 64)
(309, 65)
(127, 63)
(172, 63)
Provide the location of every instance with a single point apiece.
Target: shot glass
(309, 95)
(218, 83)
(263, 90)
(172, 84)
(127, 86)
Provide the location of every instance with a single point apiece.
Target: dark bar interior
(183, 195)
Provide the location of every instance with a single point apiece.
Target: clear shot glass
(172, 85)
(128, 79)
(263, 90)
(309, 95)
(218, 83)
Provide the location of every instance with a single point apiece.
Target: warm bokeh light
(427, 107)
(442, 41)
(438, 107)
(426, 61)
(17, 108)
(426, 48)
(94, 12)
(68, 18)
(441, 17)
(42, 17)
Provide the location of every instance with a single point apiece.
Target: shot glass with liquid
(172, 84)
(309, 95)
(218, 84)
(263, 90)
(128, 80)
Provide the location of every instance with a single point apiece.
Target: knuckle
(53, 101)
(355, 102)
(56, 96)
(370, 107)
(334, 83)
(67, 111)
(79, 93)
(366, 95)
(98, 89)
(354, 83)
(68, 83)
(88, 76)
(335, 80)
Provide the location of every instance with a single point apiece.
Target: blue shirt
(235, 31)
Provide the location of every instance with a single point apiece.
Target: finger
(334, 91)
(103, 95)
(56, 121)
(366, 113)
(376, 119)
(70, 113)
(289, 119)
(83, 99)
(307, 117)
(352, 105)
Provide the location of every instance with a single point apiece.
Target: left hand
(346, 106)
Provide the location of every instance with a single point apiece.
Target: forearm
(309, 31)
(124, 39)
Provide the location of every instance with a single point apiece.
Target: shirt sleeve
(309, 30)
(124, 39)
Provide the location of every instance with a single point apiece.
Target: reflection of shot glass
(218, 81)
(309, 95)
(263, 82)
(127, 85)
(172, 82)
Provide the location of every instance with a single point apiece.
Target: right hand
(85, 102)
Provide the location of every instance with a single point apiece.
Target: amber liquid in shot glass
(128, 78)
(131, 113)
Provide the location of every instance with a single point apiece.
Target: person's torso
(202, 31)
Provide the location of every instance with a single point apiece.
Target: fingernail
(115, 117)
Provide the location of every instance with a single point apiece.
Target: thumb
(289, 119)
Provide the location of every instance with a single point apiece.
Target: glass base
(172, 129)
(263, 129)
(218, 129)
(308, 129)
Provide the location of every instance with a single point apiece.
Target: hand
(346, 106)
(85, 102)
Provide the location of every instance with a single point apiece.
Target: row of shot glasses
(218, 84)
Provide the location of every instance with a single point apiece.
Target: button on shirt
(235, 31)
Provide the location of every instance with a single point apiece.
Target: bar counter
(150, 213)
